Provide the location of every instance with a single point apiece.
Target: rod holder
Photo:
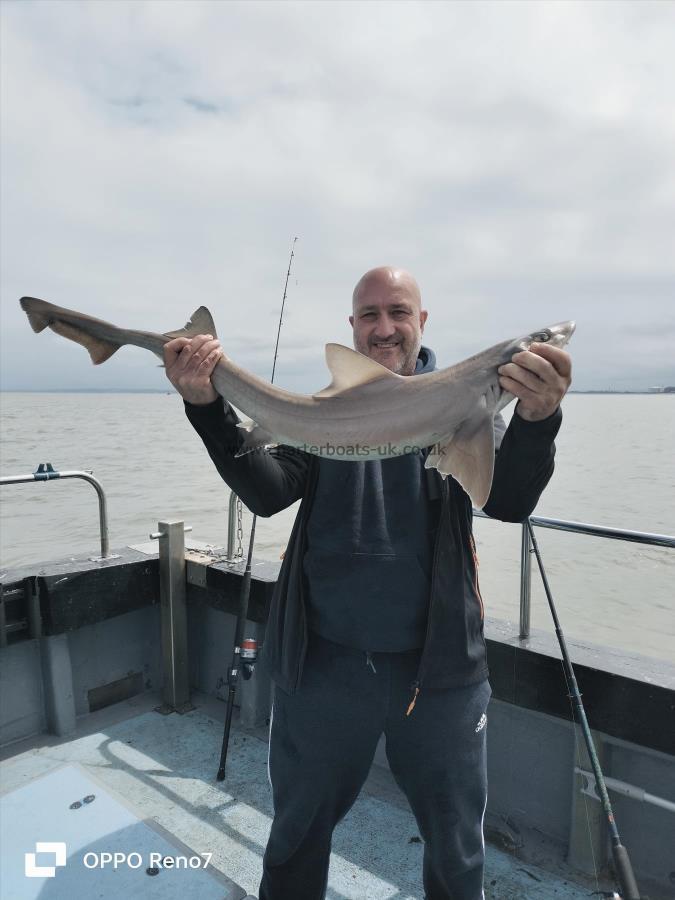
(173, 615)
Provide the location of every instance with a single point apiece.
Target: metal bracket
(196, 574)
(622, 787)
(45, 471)
(156, 535)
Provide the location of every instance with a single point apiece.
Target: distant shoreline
(667, 390)
(88, 391)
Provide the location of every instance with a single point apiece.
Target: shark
(366, 412)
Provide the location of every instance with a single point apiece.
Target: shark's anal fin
(469, 456)
(256, 438)
(200, 322)
(351, 369)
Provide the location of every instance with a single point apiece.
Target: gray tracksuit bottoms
(322, 742)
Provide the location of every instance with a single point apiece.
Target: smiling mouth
(385, 345)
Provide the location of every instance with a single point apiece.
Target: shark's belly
(353, 452)
(350, 440)
(372, 426)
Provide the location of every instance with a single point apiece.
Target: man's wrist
(203, 404)
(541, 429)
(527, 416)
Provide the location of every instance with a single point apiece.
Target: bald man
(376, 624)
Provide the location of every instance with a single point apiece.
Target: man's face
(388, 323)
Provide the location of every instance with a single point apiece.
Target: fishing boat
(114, 671)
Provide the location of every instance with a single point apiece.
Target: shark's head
(556, 335)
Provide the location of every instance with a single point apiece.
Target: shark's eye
(542, 336)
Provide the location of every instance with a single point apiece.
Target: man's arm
(523, 467)
(266, 481)
(540, 378)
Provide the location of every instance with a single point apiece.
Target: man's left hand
(539, 377)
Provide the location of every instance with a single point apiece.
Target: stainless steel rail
(46, 472)
(616, 534)
(173, 615)
(621, 787)
(231, 525)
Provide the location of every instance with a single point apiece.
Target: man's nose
(385, 327)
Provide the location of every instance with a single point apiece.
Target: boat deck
(154, 776)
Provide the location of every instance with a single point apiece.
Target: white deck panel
(40, 813)
(165, 766)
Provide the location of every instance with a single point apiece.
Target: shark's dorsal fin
(200, 322)
(351, 369)
(469, 456)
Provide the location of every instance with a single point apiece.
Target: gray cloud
(516, 157)
(203, 106)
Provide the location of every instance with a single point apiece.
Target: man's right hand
(189, 363)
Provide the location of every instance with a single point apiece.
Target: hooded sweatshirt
(370, 538)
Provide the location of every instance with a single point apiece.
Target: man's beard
(405, 364)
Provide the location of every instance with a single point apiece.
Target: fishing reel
(249, 657)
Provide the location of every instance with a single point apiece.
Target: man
(377, 621)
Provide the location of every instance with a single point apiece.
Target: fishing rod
(245, 652)
(622, 865)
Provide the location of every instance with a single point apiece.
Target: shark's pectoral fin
(200, 322)
(351, 369)
(469, 456)
(256, 438)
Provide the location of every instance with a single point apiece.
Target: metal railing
(46, 472)
(231, 525)
(616, 534)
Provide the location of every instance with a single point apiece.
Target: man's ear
(351, 321)
(423, 318)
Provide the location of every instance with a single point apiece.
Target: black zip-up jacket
(454, 649)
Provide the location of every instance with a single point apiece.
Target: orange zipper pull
(413, 701)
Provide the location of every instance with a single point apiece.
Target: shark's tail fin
(43, 315)
(200, 322)
(102, 339)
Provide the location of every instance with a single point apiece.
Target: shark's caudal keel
(366, 412)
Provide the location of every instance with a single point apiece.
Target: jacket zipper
(475, 576)
(416, 685)
(302, 538)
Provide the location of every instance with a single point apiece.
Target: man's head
(388, 319)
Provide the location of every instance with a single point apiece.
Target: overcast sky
(518, 158)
